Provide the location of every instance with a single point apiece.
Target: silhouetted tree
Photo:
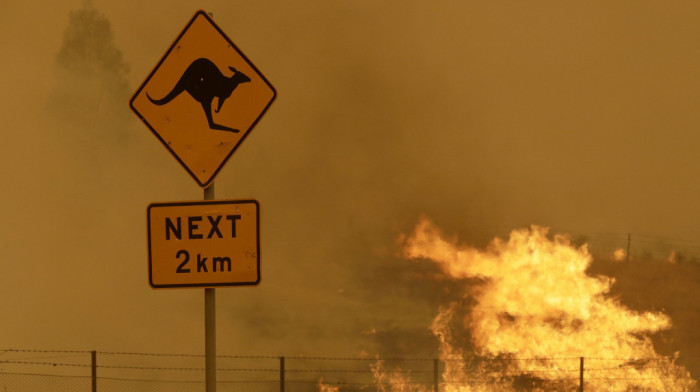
(91, 91)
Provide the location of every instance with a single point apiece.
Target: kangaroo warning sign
(203, 98)
(204, 243)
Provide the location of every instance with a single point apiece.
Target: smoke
(90, 85)
(484, 116)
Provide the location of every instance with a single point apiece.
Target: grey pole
(210, 316)
(210, 323)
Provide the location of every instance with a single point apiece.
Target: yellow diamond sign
(203, 98)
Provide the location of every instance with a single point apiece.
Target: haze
(485, 116)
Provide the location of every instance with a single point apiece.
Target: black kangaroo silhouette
(203, 81)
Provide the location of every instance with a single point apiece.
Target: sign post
(201, 101)
(210, 339)
(209, 323)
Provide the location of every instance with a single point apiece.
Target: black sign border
(245, 134)
(201, 202)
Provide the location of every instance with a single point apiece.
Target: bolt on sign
(203, 98)
(204, 243)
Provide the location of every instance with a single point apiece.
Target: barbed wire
(340, 371)
(361, 359)
(260, 372)
(485, 379)
(45, 375)
(492, 379)
(482, 380)
(592, 373)
(358, 383)
(46, 363)
(639, 378)
(319, 358)
(152, 354)
(12, 350)
(314, 358)
(354, 371)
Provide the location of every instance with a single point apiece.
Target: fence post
(629, 241)
(93, 355)
(281, 374)
(580, 382)
(436, 376)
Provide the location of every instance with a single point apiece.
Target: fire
(323, 387)
(673, 257)
(619, 254)
(536, 314)
(387, 381)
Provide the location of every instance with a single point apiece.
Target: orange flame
(537, 313)
(387, 381)
(323, 387)
(619, 254)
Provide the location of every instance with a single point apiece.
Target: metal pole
(210, 323)
(436, 375)
(94, 370)
(580, 383)
(281, 374)
(209, 192)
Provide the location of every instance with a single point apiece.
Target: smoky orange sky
(485, 116)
